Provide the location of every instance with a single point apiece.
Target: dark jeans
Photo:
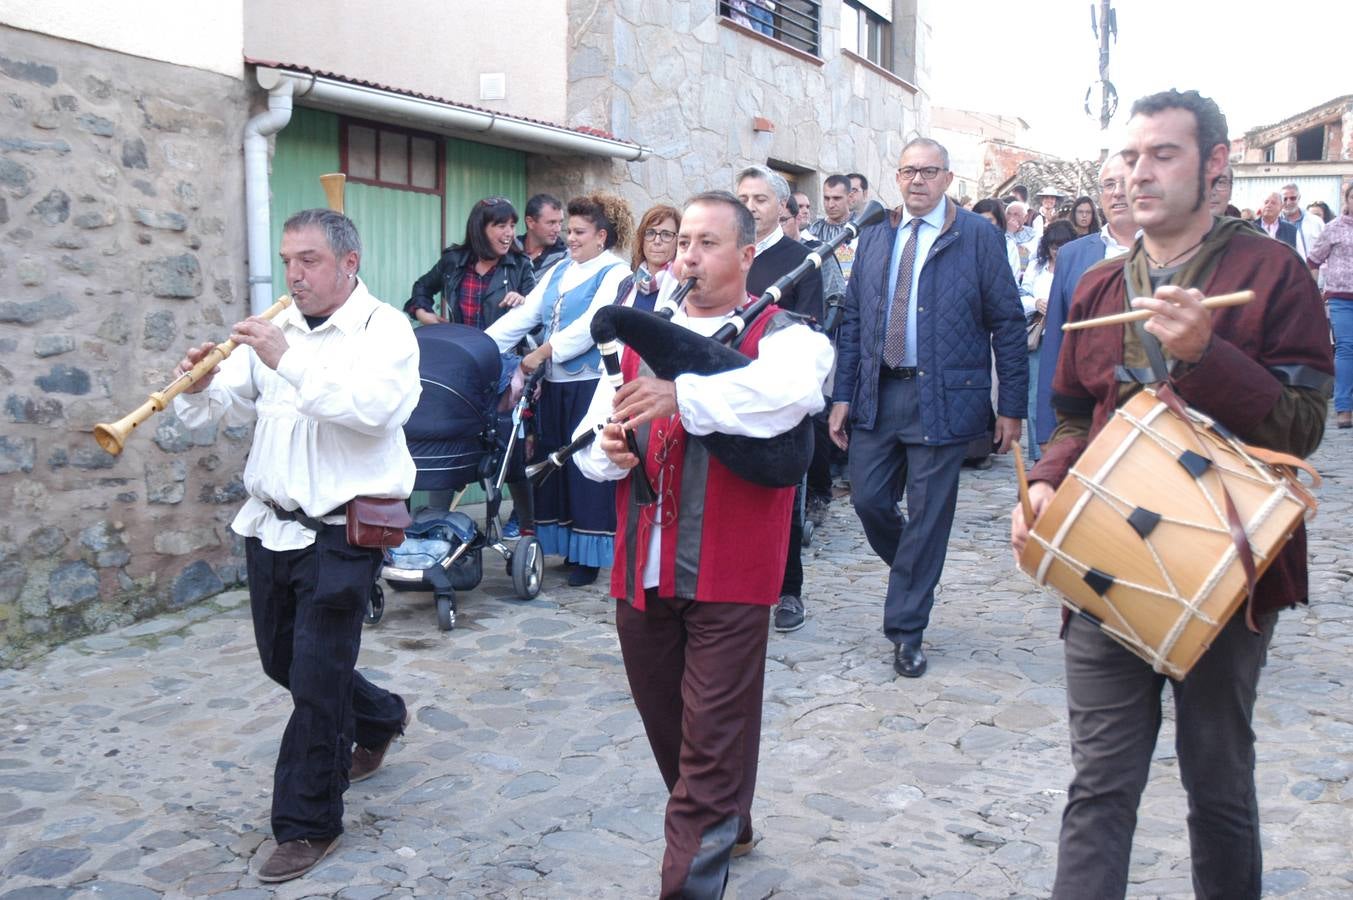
(696, 671)
(793, 580)
(307, 608)
(1114, 702)
(884, 460)
(820, 469)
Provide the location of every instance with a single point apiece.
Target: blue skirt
(575, 516)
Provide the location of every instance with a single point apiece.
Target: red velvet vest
(724, 540)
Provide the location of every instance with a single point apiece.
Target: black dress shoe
(909, 660)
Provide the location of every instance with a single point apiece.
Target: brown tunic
(1265, 375)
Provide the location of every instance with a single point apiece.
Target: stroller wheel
(527, 568)
(375, 605)
(446, 612)
(808, 529)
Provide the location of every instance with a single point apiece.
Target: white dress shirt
(329, 420)
(766, 397)
(575, 338)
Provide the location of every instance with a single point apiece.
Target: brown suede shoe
(294, 858)
(742, 848)
(367, 762)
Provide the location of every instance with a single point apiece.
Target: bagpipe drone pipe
(670, 350)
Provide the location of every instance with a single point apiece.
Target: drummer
(1263, 371)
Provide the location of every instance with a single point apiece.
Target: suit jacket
(1072, 262)
(968, 308)
(1287, 232)
(804, 297)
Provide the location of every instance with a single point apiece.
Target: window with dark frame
(867, 30)
(390, 156)
(796, 23)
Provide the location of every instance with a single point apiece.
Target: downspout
(256, 193)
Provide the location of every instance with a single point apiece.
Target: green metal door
(475, 171)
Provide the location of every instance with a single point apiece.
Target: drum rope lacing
(1253, 472)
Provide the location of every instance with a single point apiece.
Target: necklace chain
(1167, 263)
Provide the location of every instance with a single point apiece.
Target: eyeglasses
(493, 201)
(856, 190)
(1222, 181)
(662, 237)
(927, 173)
(1111, 186)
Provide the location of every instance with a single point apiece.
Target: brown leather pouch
(377, 521)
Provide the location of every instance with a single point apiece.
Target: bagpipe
(670, 350)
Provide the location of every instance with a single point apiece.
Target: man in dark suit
(764, 193)
(1274, 225)
(930, 299)
(1113, 240)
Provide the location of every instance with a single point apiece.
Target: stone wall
(668, 74)
(121, 242)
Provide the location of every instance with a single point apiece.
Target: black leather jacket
(514, 273)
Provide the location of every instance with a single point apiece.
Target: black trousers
(1113, 698)
(307, 608)
(696, 671)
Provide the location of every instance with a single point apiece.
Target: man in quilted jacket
(930, 299)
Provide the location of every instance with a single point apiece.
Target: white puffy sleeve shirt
(575, 338)
(766, 397)
(329, 420)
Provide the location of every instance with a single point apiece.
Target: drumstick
(1239, 298)
(1024, 503)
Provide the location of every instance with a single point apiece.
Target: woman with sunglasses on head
(479, 279)
(652, 258)
(575, 517)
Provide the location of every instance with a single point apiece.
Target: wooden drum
(1137, 541)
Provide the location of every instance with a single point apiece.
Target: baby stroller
(456, 438)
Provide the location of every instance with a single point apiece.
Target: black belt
(297, 515)
(902, 373)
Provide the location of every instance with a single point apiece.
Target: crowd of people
(924, 342)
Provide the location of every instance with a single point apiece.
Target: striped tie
(895, 344)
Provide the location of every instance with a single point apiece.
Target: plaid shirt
(473, 287)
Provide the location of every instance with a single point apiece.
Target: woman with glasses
(652, 258)
(575, 517)
(479, 279)
(1333, 253)
(1085, 217)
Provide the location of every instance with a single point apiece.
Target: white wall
(208, 34)
(427, 46)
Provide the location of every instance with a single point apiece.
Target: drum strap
(1165, 393)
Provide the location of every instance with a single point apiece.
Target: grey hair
(1018, 205)
(741, 214)
(928, 142)
(338, 230)
(1290, 184)
(774, 179)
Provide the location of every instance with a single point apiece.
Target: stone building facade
(711, 97)
(123, 216)
(120, 243)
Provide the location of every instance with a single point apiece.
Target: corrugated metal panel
(401, 237)
(306, 149)
(475, 171)
(1250, 192)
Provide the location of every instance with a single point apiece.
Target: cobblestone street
(138, 763)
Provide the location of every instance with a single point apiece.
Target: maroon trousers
(696, 671)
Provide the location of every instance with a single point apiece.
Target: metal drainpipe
(256, 194)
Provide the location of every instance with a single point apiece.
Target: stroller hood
(459, 367)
